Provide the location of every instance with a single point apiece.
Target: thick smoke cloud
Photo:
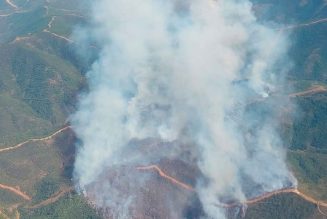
(201, 72)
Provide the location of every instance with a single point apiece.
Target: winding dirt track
(34, 140)
(51, 21)
(59, 36)
(53, 198)
(323, 20)
(310, 91)
(16, 191)
(313, 90)
(17, 215)
(11, 4)
(164, 175)
(247, 202)
(277, 192)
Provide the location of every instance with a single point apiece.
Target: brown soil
(53, 198)
(16, 191)
(310, 91)
(248, 202)
(167, 177)
(34, 140)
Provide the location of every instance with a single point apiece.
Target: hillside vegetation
(41, 75)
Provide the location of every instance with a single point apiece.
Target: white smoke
(194, 70)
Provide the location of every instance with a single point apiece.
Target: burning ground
(175, 82)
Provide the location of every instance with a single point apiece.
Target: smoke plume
(196, 76)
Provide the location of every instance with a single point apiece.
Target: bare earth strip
(51, 21)
(53, 199)
(164, 175)
(291, 190)
(16, 191)
(18, 39)
(59, 36)
(34, 140)
(17, 214)
(247, 202)
(10, 14)
(9, 2)
(323, 20)
(7, 15)
(310, 91)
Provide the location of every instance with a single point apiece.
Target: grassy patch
(8, 198)
(45, 189)
(32, 167)
(310, 128)
(36, 91)
(26, 23)
(64, 25)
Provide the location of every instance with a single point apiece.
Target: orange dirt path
(34, 140)
(247, 202)
(164, 175)
(53, 198)
(281, 191)
(310, 91)
(16, 191)
(17, 214)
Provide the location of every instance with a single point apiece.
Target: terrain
(41, 75)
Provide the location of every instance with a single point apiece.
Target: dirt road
(277, 192)
(34, 140)
(313, 90)
(16, 191)
(53, 198)
(247, 202)
(59, 36)
(9, 2)
(164, 175)
(50, 22)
